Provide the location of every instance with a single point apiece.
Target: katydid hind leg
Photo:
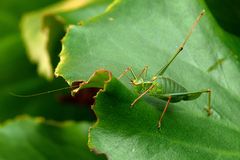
(180, 48)
(209, 108)
(208, 91)
(193, 95)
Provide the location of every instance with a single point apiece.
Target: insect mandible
(163, 87)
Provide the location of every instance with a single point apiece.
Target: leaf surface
(35, 138)
(42, 30)
(139, 33)
(27, 138)
(124, 133)
(18, 76)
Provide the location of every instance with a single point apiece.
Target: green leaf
(35, 138)
(139, 33)
(124, 133)
(19, 76)
(42, 30)
(26, 138)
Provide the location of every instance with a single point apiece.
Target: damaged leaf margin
(134, 131)
(35, 33)
(99, 79)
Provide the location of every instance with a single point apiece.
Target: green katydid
(163, 87)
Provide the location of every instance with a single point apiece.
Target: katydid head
(140, 85)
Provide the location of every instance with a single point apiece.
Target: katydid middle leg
(164, 111)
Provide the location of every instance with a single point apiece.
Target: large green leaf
(43, 29)
(34, 138)
(124, 133)
(25, 138)
(19, 76)
(138, 33)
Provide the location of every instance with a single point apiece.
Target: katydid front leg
(145, 69)
(126, 71)
(141, 95)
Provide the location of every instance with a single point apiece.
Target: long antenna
(180, 48)
(42, 93)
